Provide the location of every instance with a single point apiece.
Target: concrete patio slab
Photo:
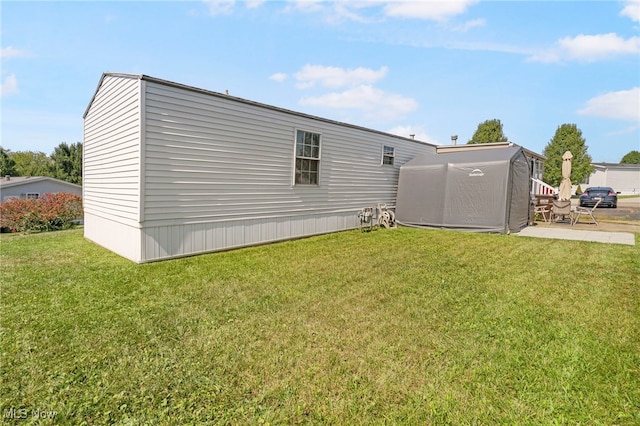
(562, 233)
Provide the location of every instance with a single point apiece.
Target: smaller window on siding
(388, 155)
(33, 195)
(307, 167)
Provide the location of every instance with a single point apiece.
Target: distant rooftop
(482, 146)
(19, 180)
(618, 165)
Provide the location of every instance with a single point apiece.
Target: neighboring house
(624, 178)
(172, 170)
(34, 187)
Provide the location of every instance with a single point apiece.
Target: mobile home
(623, 178)
(172, 170)
(34, 187)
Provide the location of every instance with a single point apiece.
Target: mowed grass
(404, 326)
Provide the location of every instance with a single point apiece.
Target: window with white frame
(307, 158)
(388, 155)
(33, 195)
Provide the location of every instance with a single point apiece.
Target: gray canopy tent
(476, 189)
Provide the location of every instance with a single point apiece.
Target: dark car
(606, 195)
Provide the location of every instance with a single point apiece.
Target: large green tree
(31, 163)
(67, 162)
(567, 138)
(7, 165)
(487, 132)
(631, 157)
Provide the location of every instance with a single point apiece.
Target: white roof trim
(23, 180)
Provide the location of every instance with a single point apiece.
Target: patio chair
(583, 211)
(543, 208)
(561, 208)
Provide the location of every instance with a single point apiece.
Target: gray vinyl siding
(163, 242)
(172, 171)
(209, 158)
(111, 176)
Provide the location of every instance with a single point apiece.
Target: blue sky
(427, 68)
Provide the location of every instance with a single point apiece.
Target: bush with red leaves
(48, 213)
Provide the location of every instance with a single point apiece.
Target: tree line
(568, 137)
(64, 163)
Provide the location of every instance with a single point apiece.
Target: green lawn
(403, 326)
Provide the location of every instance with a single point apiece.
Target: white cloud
(341, 12)
(359, 94)
(253, 4)
(418, 131)
(589, 48)
(10, 52)
(305, 6)
(374, 102)
(434, 10)
(335, 77)
(632, 10)
(622, 105)
(594, 47)
(625, 131)
(337, 11)
(9, 86)
(469, 25)
(220, 7)
(279, 77)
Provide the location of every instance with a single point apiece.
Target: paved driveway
(615, 225)
(628, 209)
(626, 218)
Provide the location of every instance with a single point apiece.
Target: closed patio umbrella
(565, 183)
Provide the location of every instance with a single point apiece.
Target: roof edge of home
(242, 100)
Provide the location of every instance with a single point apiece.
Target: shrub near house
(47, 213)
